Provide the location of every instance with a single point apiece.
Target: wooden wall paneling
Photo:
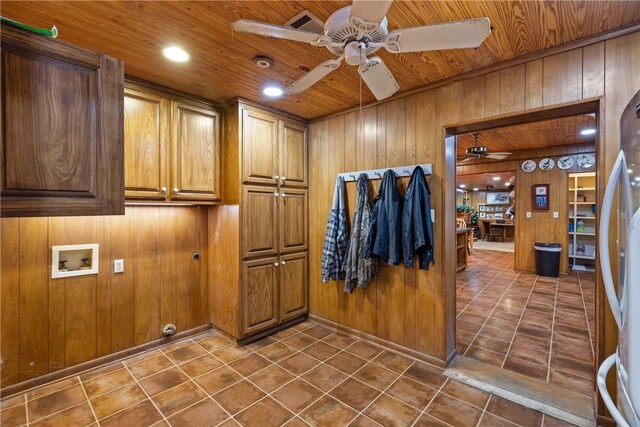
(171, 275)
(492, 93)
(324, 192)
(410, 275)
(146, 240)
(533, 84)
(80, 316)
(315, 237)
(230, 155)
(351, 164)
(191, 297)
(512, 89)
(103, 287)
(383, 272)
(10, 301)
(182, 266)
(593, 70)
(336, 165)
(57, 300)
(33, 325)
(201, 226)
(123, 284)
(562, 77)
(474, 97)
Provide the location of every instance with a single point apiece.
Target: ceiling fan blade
(313, 76)
(467, 159)
(378, 78)
(370, 11)
(271, 30)
(450, 35)
(498, 156)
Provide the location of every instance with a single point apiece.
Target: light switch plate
(555, 215)
(118, 266)
(528, 214)
(433, 215)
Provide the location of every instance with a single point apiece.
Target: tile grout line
(484, 410)
(524, 309)
(89, 402)
(553, 326)
(586, 317)
(26, 411)
(423, 412)
(146, 394)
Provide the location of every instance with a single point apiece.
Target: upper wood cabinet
(62, 119)
(293, 220)
(172, 148)
(293, 154)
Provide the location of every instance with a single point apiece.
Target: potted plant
(464, 212)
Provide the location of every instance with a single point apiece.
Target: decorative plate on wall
(565, 162)
(528, 166)
(546, 164)
(586, 161)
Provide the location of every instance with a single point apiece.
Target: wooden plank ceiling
(221, 66)
(483, 181)
(548, 133)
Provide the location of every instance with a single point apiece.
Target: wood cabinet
(172, 147)
(61, 139)
(261, 230)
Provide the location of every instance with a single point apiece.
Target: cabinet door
(259, 148)
(259, 295)
(61, 142)
(195, 153)
(293, 281)
(145, 145)
(293, 154)
(259, 221)
(293, 220)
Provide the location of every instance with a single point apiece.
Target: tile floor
(537, 326)
(305, 375)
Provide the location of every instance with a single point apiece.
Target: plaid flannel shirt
(336, 240)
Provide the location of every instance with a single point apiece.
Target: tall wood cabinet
(260, 278)
(172, 147)
(61, 143)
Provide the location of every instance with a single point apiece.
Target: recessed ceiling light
(637, 178)
(496, 178)
(175, 53)
(462, 185)
(629, 170)
(506, 184)
(272, 91)
(475, 188)
(588, 131)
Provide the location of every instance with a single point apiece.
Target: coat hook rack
(400, 172)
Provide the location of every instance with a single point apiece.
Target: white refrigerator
(625, 302)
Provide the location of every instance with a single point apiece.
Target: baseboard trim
(94, 363)
(382, 342)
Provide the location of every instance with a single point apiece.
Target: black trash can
(548, 259)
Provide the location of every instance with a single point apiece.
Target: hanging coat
(358, 270)
(385, 240)
(417, 228)
(337, 238)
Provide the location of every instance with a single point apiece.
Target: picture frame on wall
(482, 208)
(498, 208)
(498, 198)
(482, 215)
(498, 216)
(540, 197)
(490, 208)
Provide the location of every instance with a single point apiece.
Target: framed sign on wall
(540, 197)
(501, 198)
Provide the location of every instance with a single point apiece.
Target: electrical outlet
(118, 266)
(528, 214)
(555, 215)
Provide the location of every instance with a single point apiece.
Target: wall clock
(585, 161)
(546, 164)
(528, 166)
(565, 162)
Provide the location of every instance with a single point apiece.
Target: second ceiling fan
(354, 32)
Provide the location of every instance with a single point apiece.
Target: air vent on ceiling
(306, 21)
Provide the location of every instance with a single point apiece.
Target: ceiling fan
(354, 32)
(478, 152)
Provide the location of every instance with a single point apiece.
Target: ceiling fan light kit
(354, 32)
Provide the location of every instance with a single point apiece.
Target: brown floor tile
(299, 341)
(376, 376)
(8, 402)
(426, 374)
(321, 351)
(318, 332)
(324, 377)
(276, 352)
(163, 381)
(229, 423)
(496, 333)
(549, 421)
(15, 415)
(524, 367)
(79, 415)
(393, 361)
(468, 394)
(214, 343)
(299, 363)
(513, 412)
(529, 354)
(150, 366)
(428, 421)
(261, 343)
(574, 367)
(491, 344)
(391, 412)
(411, 392)
(572, 352)
(297, 395)
(100, 371)
(141, 357)
(570, 381)
(364, 350)
(363, 421)
(346, 362)
(468, 326)
(237, 397)
(284, 333)
(328, 412)
(178, 398)
(355, 394)
(490, 420)
(453, 411)
(50, 388)
(540, 344)
(580, 342)
(206, 413)
(249, 364)
(231, 353)
(143, 413)
(107, 382)
(472, 318)
(486, 356)
(218, 379)
(266, 413)
(271, 378)
(116, 400)
(186, 353)
(339, 340)
(54, 402)
(464, 336)
(199, 366)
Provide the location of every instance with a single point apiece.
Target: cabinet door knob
(275, 263)
(283, 180)
(275, 194)
(284, 262)
(276, 178)
(283, 195)
(176, 190)
(164, 191)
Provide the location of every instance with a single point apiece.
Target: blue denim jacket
(385, 232)
(417, 228)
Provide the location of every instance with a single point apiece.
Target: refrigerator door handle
(619, 170)
(604, 393)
